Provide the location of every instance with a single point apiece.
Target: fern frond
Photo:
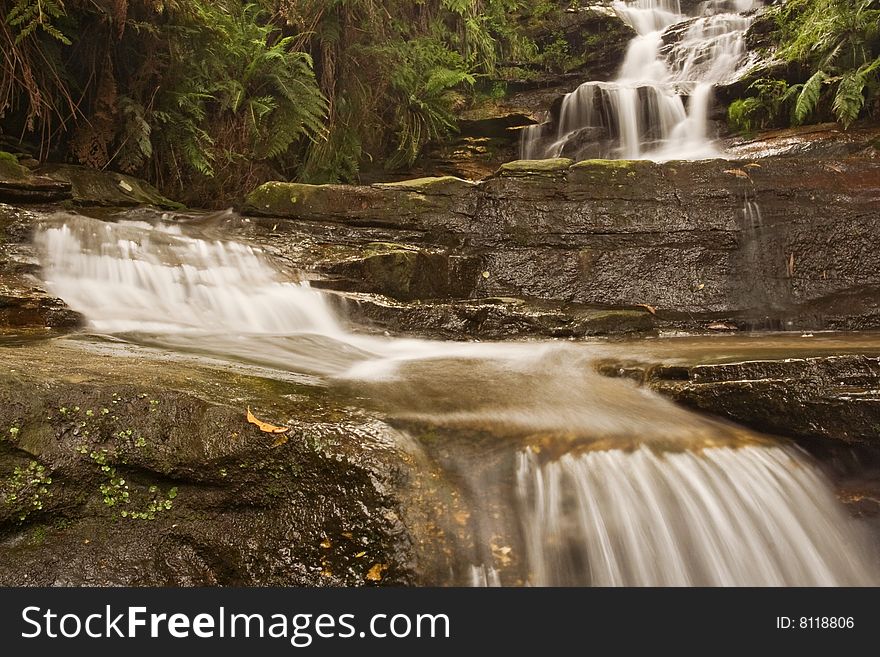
(808, 99)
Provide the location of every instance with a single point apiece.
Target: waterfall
(573, 478)
(137, 276)
(719, 517)
(658, 107)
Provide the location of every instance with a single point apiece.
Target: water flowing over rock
(506, 445)
(658, 107)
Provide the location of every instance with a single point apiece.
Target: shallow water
(568, 477)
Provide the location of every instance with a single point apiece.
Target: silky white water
(598, 482)
(658, 107)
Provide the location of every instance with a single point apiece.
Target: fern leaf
(808, 99)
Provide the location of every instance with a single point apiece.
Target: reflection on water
(569, 477)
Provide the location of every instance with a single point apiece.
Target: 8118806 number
(815, 622)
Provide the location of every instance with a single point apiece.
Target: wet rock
(776, 242)
(493, 319)
(396, 271)
(595, 38)
(24, 303)
(104, 481)
(826, 140)
(824, 397)
(106, 188)
(587, 144)
(19, 185)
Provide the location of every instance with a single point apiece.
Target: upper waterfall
(658, 107)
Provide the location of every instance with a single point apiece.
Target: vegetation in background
(206, 96)
(836, 46)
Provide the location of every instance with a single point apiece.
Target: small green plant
(26, 489)
(762, 109)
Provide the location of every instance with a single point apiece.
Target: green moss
(10, 168)
(280, 197)
(611, 164)
(428, 185)
(525, 167)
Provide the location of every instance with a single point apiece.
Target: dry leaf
(650, 309)
(280, 440)
(739, 173)
(375, 573)
(265, 426)
(721, 326)
(502, 554)
(791, 265)
(326, 544)
(360, 555)
(752, 165)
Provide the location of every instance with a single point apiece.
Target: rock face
(834, 398)
(19, 185)
(91, 187)
(119, 477)
(776, 242)
(24, 304)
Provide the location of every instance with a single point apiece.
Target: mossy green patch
(526, 167)
(10, 168)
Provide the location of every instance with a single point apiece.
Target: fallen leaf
(650, 309)
(721, 326)
(265, 426)
(752, 165)
(374, 574)
(280, 440)
(502, 554)
(326, 544)
(791, 265)
(360, 555)
(739, 173)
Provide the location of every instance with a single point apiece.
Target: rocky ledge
(777, 242)
(145, 472)
(821, 397)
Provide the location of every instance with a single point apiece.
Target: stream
(567, 477)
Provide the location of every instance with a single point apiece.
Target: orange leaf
(265, 426)
(375, 573)
(650, 309)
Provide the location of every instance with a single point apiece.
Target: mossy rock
(613, 173)
(535, 167)
(19, 185)
(10, 169)
(443, 185)
(107, 188)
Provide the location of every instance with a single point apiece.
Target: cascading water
(717, 517)
(573, 478)
(658, 107)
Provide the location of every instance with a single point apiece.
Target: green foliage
(761, 109)
(209, 97)
(837, 42)
(25, 489)
(26, 16)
